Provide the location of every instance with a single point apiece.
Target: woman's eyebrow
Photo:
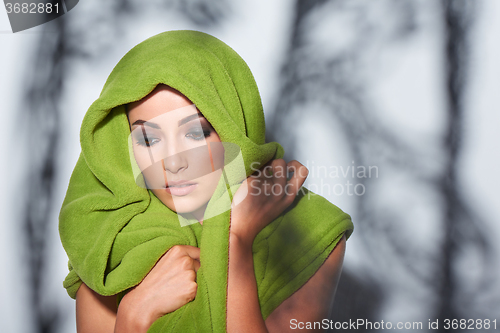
(146, 123)
(189, 118)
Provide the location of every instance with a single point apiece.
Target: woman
(257, 259)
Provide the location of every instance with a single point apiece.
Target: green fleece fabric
(115, 231)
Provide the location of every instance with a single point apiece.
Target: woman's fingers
(196, 265)
(192, 251)
(173, 278)
(280, 185)
(300, 173)
(185, 250)
(272, 178)
(190, 255)
(279, 174)
(269, 194)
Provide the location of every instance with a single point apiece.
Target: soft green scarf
(114, 231)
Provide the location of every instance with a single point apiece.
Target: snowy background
(409, 89)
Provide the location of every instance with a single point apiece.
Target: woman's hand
(168, 286)
(269, 194)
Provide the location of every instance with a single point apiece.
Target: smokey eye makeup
(146, 140)
(145, 137)
(197, 131)
(200, 131)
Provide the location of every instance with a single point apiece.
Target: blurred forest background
(408, 87)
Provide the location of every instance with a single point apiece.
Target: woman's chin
(185, 208)
(190, 205)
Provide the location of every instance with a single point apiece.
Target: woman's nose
(174, 163)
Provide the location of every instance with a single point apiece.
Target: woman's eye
(198, 135)
(148, 142)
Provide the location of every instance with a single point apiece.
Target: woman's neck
(199, 214)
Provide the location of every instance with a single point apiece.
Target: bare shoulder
(94, 312)
(313, 300)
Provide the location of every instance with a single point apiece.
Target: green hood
(114, 231)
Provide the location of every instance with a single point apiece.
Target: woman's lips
(181, 189)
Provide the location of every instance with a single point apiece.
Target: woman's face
(172, 146)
